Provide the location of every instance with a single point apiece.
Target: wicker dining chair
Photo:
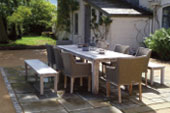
(127, 71)
(121, 48)
(118, 48)
(58, 60)
(147, 52)
(75, 69)
(50, 55)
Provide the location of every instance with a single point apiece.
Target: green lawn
(31, 41)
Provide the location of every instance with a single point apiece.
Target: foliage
(26, 16)
(65, 7)
(7, 7)
(159, 42)
(19, 15)
(48, 34)
(100, 28)
(31, 41)
(41, 18)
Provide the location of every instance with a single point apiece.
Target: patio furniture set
(118, 67)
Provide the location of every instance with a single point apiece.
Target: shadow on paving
(27, 93)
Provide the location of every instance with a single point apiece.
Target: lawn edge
(21, 47)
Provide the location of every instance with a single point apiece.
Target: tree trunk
(19, 32)
(3, 33)
(13, 33)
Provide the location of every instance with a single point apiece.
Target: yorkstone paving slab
(159, 100)
(41, 106)
(167, 99)
(16, 79)
(164, 90)
(99, 103)
(27, 98)
(95, 100)
(140, 109)
(74, 102)
(148, 101)
(126, 103)
(160, 105)
(109, 109)
(165, 94)
(53, 111)
(167, 110)
(14, 71)
(151, 95)
(21, 88)
(147, 108)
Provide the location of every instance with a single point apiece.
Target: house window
(166, 17)
(76, 24)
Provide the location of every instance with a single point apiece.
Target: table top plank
(92, 54)
(40, 67)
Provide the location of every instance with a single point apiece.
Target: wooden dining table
(95, 57)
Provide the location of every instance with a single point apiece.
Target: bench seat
(43, 71)
(153, 66)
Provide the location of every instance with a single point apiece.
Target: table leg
(26, 71)
(56, 82)
(95, 77)
(162, 75)
(41, 85)
(152, 77)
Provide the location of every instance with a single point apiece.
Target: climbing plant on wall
(100, 26)
(65, 7)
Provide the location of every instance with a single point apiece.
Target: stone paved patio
(154, 97)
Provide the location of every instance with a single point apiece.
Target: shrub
(159, 42)
(65, 38)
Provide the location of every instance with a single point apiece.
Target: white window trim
(161, 10)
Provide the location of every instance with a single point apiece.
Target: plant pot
(85, 48)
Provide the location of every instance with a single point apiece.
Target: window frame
(165, 16)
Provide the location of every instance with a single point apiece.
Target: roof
(118, 8)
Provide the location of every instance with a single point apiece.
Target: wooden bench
(152, 67)
(42, 70)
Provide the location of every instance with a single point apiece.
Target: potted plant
(85, 47)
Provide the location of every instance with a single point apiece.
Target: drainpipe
(155, 21)
(72, 26)
(150, 25)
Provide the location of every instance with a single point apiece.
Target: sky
(53, 2)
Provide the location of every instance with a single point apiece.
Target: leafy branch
(100, 28)
(65, 7)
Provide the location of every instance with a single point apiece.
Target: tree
(7, 7)
(29, 16)
(20, 15)
(41, 18)
(3, 34)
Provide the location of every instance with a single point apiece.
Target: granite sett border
(11, 92)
